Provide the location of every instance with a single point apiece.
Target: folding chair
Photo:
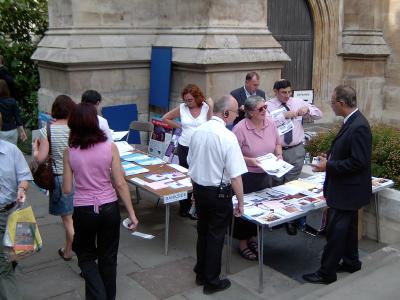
(134, 129)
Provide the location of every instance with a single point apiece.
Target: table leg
(166, 229)
(260, 238)
(378, 228)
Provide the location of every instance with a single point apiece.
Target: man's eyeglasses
(264, 107)
(234, 111)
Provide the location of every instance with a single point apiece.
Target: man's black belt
(290, 147)
(7, 207)
(210, 188)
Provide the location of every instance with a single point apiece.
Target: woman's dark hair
(195, 91)
(84, 126)
(62, 107)
(4, 91)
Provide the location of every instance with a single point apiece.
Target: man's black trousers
(214, 216)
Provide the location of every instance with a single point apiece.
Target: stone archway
(327, 68)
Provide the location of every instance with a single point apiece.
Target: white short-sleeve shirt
(189, 123)
(214, 149)
(103, 124)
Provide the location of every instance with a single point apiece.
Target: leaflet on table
(186, 182)
(131, 169)
(273, 166)
(134, 156)
(118, 135)
(178, 167)
(166, 183)
(379, 183)
(162, 176)
(150, 161)
(284, 125)
(123, 147)
(318, 178)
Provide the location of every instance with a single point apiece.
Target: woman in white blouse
(194, 111)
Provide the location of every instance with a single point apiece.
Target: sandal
(247, 254)
(253, 247)
(61, 253)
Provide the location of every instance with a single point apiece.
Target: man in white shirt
(216, 164)
(94, 97)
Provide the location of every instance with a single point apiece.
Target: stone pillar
(106, 45)
(365, 52)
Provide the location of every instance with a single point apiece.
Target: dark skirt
(252, 182)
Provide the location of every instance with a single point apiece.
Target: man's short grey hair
(222, 104)
(251, 103)
(347, 94)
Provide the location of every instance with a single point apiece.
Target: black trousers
(184, 205)
(342, 242)
(252, 182)
(214, 216)
(97, 238)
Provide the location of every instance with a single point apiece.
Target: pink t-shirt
(255, 143)
(92, 173)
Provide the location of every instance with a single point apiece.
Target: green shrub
(385, 161)
(22, 23)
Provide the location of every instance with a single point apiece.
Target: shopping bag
(22, 237)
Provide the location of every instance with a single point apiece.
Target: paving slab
(49, 282)
(168, 279)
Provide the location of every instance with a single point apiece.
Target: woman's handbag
(43, 175)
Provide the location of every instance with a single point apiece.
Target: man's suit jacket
(348, 171)
(240, 96)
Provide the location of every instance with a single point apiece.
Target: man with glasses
(250, 88)
(292, 110)
(215, 167)
(347, 187)
(295, 109)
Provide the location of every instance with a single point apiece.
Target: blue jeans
(97, 238)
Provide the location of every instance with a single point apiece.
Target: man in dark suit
(250, 88)
(347, 187)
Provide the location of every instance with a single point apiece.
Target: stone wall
(106, 45)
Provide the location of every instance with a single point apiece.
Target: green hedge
(385, 160)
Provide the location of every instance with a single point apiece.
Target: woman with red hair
(194, 111)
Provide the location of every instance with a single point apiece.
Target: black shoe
(317, 278)
(199, 280)
(291, 228)
(193, 217)
(14, 264)
(222, 285)
(184, 214)
(346, 268)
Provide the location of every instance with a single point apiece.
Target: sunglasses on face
(264, 107)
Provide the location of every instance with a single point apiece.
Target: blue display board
(119, 118)
(160, 76)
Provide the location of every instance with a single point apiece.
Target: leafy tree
(22, 23)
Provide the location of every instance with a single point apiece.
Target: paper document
(178, 167)
(282, 126)
(118, 135)
(123, 147)
(271, 165)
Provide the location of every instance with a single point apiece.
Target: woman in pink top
(94, 164)
(257, 136)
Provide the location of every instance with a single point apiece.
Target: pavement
(144, 272)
